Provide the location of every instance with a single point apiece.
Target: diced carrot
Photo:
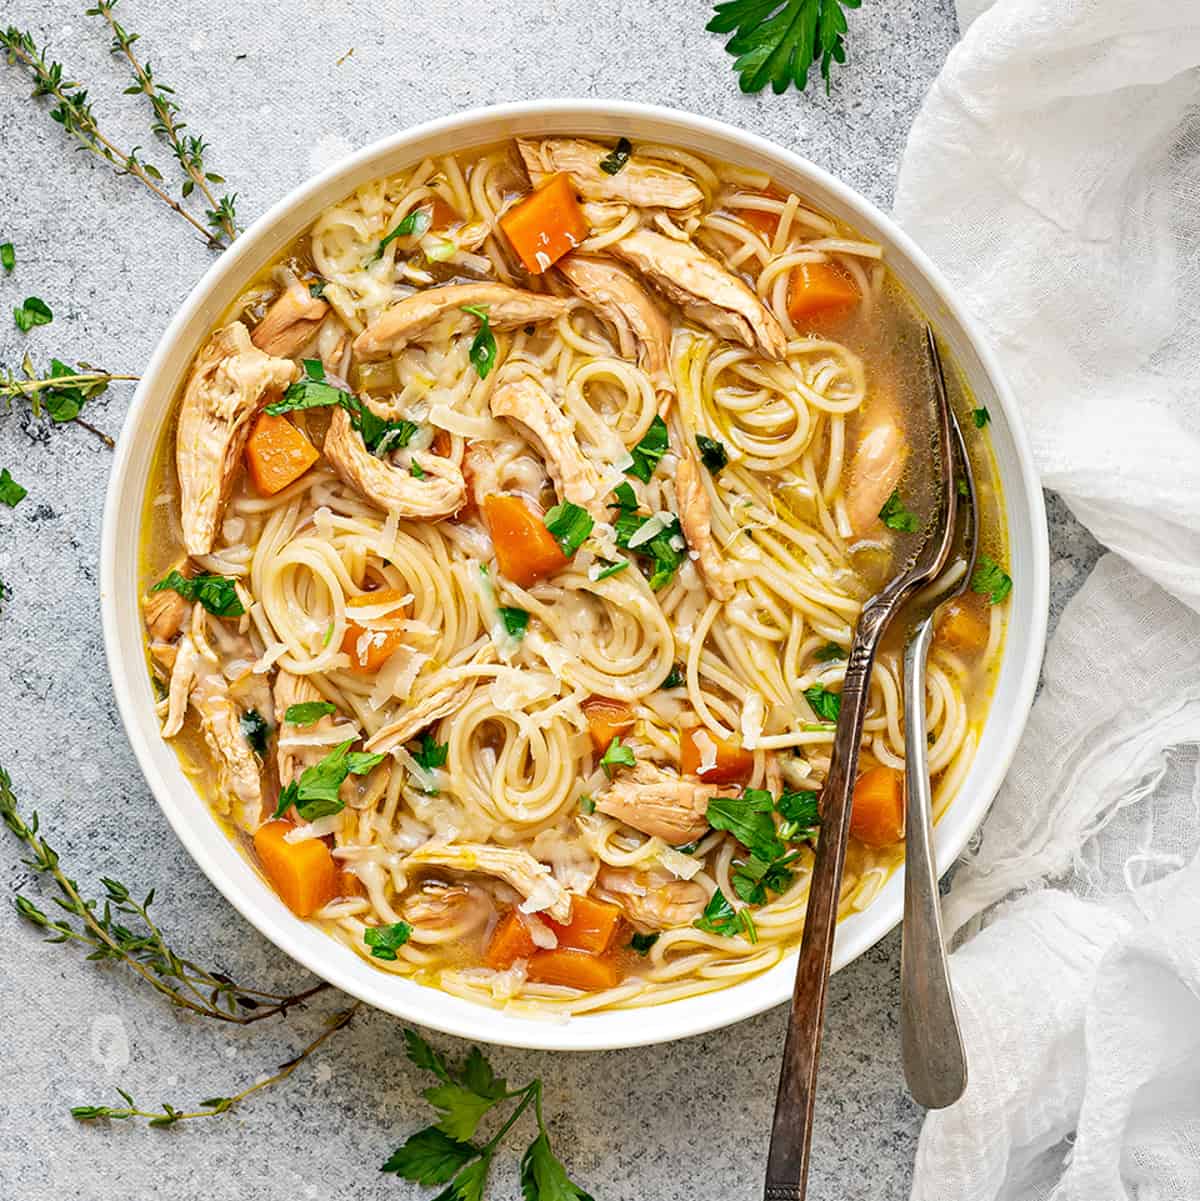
(607, 719)
(592, 927)
(545, 225)
(713, 760)
(277, 454)
(369, 649)
(963, 627)
(349, 885)
(442, 216)
(525, 549)
(767, 223)
(511, 941)
(820, 291)
(877, 817)
(441, 443)
(302, 873)
(575, 969)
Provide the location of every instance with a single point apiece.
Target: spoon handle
(791, 1131)
(935, 1064)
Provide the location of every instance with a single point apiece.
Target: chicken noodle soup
(504, 554)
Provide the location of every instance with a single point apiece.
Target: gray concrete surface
(263, 85)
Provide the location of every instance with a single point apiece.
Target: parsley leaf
(649, 451)
(718, 917)
(317, 290)
(825, 704)
(748, 818)
(478, 1076)
(801, 814)
(713, 454)
(255, 731)
(675, 677)
(587, 805)
(469, 1184)
(777, 41)
(414, 224)
(617, 755)
(991, 580)
(570, 526)
(981, 416)
(829, 653)
(543, 1178)
(431, 753)
(32, 312)
(612, 162)
(516, 621)
(611, 569)
(461, 1109)
(215, 592)
(385, 941)
(641, 943)
(11, 493)
(753, 879)
(315, 793)
(307, 712)
(660, 550)
(8, 256)
(896, 515)
(424, 1056)
(416, 470)
(430, 1157)
(483, 345)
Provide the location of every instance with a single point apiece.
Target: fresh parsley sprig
(444, 1153)
(315, 793)
(483, 346)
(777, 41)
(217, 593)
(664, 556)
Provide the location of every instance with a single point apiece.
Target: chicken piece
(875, 472)
(447, 912)
(438, 493)
(576, 479)
(704, 290)
(659, 803)
(639, 181)
(695, 520)
(290, 322)
(654, 899)
(292, 690)
(517, 868)
(432, 708)
(439, 311)
(165, 613)
(196, 679)
(231, 380)
(641, 326)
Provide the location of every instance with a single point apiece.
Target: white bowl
(188, 814)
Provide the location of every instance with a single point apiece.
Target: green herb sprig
(60, 393)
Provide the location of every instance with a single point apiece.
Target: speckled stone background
(264, 85)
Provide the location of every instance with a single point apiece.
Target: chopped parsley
(801, 814)
(829, 653)
(749, 818)
(641, 943)
(962, 488)
(431, 754)
(315, 793)
(413, 225)
(991, 580)
(713, 454)
(307, 712)
(587, 805)
(516, 621)
(416, 470)
(32, 312)
(981, 416)
(720, 917)
(317, 290)
(385, 941)
(649, 451)
(754, 879)
(896, 515)
(617, 755)
(8, 256)
(11, 493)
(570, 526)
(217, 593)
(616, 158)
(675, 677)
(483, 345)
(255, 731)
(610, 569)
(664, 556)
(825, 704)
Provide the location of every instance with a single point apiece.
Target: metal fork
(791, 1131)
(935, 1062)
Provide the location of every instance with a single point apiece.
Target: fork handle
(935, 1063)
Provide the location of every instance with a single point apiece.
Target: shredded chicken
(414, 719)
(654, 899)
(640, 181)
(165, 613)
(575, 477)
(447, 912)
(517, 868)
(440, 311)
(290, 322)
(292, 690)
(695, 520)
(641, 326)
(230, 381)
(875, 472)
(658, 803)
(438, 493)
(704, 290)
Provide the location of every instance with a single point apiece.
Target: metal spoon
(791, 1131)
(935, 1063)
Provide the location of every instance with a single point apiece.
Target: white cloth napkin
(1054, 174)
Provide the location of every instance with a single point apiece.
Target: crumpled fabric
(1054, 175)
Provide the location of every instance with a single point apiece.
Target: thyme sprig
(188, 149)
(168, 1115)
(73, 111)
(118, 928)
(61, 392)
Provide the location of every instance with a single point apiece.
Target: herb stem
(530, 1093)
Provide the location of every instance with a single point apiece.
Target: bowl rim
(426, 1005)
